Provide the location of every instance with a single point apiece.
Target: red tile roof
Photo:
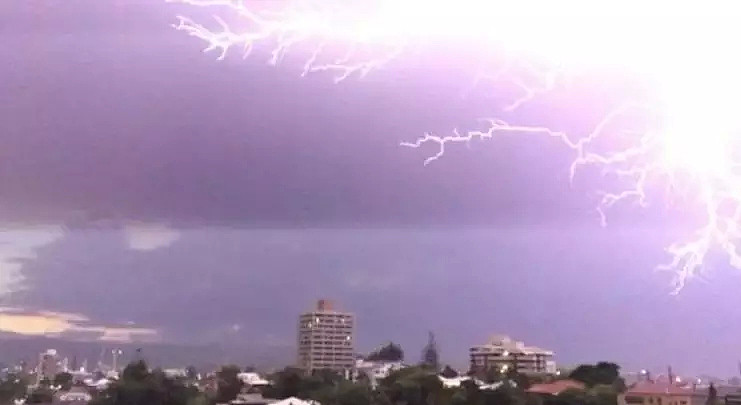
(555, 387)
(658, 388)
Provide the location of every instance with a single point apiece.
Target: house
(661, 393)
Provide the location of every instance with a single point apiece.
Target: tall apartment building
(325, 339)
(504, 354)
(48, 366)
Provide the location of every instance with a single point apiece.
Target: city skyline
(148, 190)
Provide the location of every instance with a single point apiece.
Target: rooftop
(503, 342)
(556, 387)
(659, 388)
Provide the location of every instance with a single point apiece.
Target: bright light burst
(685, 135)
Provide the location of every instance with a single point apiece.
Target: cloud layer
(17, 246)
(70, 326)
(146, 237)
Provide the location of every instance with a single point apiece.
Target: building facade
(504, 354)
(48, 366)
(326, 339)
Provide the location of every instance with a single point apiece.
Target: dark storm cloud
(564, 289)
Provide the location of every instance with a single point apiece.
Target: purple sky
(281, 189)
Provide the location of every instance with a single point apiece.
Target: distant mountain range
(15, 348)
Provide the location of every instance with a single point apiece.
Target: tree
(412, 386)
(228, 383)
(504, 395)
(41, 395)
(493, 374)
(327, 376)
(63, 380)
(286, 383)
(191, 373)
(137, 371)
(325, 386)
(521, 380)
(353, 394)
(602, 373)
(13, 386)
(389, 352)
(430, 357)
(468, 394)
(449, 372)
(198, 400)
(603, 394)
(571, 396)
(363, 377)
(139, 386)
(712, 395)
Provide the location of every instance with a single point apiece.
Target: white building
(504, 354)
(376, 370)
(456, 382)
(325, 339)
(175, 372)
(295, 401)
(75, 395)
(252, 379)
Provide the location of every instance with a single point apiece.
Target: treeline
(418, 385)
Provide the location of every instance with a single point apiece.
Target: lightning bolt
(293, 25)
(703, 171)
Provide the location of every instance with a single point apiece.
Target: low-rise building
(457, 382)
(252, 379)
(75, 396)
(175, 372)
(504, 354)
(661, 393)
(375, 370)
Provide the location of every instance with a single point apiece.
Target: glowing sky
(206, 190)
(71, 326)
(688, 147)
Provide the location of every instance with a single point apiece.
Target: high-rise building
(325, 339)
(505, 354)
(48, 366)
